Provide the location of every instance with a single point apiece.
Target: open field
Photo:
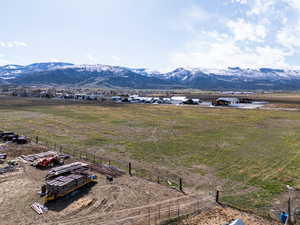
(249, 154)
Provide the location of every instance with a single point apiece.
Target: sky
(155, 34)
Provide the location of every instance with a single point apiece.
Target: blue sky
(156, 34)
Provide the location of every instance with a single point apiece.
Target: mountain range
(104, 76)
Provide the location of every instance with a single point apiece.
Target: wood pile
(33, 157)
(69, 168)
(108, 170)
(63, 184)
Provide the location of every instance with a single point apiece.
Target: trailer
(48, 162)
(64, 185)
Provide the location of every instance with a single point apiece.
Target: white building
(178, 99)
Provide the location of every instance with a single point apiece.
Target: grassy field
(255, 150)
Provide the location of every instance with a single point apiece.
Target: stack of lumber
(108, 170)
(69, 168)
(33, 157)
(63, 184)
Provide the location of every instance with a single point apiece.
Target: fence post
(129, 168)
(217, 196)
(180, 185)
(158, 181)
(37, 139)
(289, 222)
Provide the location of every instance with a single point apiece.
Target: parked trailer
(33, 157)
(63, 185)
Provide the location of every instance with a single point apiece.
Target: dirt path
(139, 215)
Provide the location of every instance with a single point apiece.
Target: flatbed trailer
(57, 189)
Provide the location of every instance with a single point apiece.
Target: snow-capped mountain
(232, 78)
(11, 71)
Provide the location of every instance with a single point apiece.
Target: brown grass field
(250, 155)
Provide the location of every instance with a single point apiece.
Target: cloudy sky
(156, 34)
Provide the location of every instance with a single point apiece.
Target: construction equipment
(20, 140)
(8, 136)
(48, 162)
(67, 169)
(11, 136)
(63, 185)
(34, 157)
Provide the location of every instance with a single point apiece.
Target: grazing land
(250, 155)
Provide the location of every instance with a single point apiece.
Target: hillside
(67, 74)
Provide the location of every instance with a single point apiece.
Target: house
(193, 101)
(178, 99)
(116, 99)
(225, 101)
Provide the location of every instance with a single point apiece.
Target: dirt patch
(220, 215)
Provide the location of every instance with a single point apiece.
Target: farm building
(226, 101)
(178, 99)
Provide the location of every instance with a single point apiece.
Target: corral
(249, 155)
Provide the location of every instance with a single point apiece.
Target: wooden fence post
(180, 185)
(37, 139)
(217, 196)
(129, 169)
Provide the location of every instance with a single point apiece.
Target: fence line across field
(172, 180)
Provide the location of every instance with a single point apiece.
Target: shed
(226, 101)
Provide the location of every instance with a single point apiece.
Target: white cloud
(222, 52)
(259, 7)
(12, 44)
(247, 31)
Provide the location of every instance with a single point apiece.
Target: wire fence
(171, 180)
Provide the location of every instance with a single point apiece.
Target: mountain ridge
(99, 75)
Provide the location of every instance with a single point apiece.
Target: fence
(161, 177)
